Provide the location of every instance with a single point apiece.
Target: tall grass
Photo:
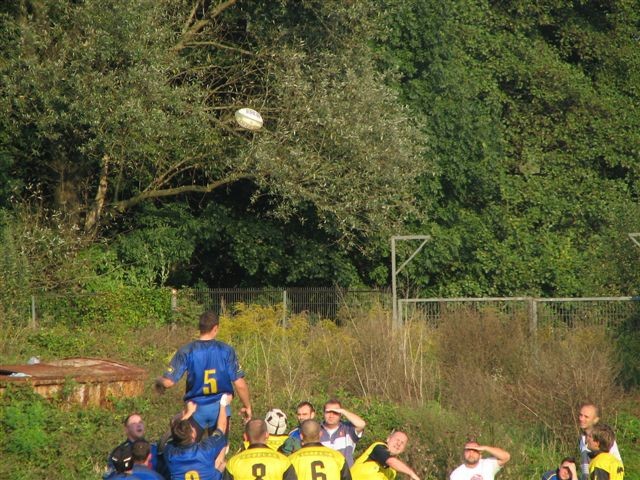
(474, 374)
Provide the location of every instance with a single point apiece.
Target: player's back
(259, 461)
(606, 462)
(196, 461)
(211, 367)
(315, 461)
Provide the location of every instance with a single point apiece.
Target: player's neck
(208, 336)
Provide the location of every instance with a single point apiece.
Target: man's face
(397, 442)
(331, 417)
(471, 455)
(135, 428)
(305, 413)
(587, 417)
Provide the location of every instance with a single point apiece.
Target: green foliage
(482, 390)
(628, 344)
(534, 132)
(24, 420)
(129, 307)
(114, 105)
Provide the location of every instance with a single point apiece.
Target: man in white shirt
(477, 468)
(339, 435)
(588, 417)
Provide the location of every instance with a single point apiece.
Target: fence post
(174, 299)
(284, 307)
(32, 322)
(533, 315)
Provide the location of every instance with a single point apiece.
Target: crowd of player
(196, 447)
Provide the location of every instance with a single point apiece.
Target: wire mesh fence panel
(435, 310)
(318, 302)
(364, 300)
(573, 312)
(222, 299)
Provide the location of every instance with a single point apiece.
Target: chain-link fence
(327, 303)
(317, 302)
(539, 312)
(168, 305)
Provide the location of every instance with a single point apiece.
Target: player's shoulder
(457, 472)
(262, 452)
(212, 344)
(187, 348)
(142, 472)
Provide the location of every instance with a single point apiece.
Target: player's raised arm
(223, 420)
(242, 389)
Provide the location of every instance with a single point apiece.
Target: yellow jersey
(365, 469)
(259, 462)
(274, 441)
(605, 466)
(314, 461)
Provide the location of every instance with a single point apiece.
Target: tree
(533, 113)
(118, 103)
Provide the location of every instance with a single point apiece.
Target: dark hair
(140, 451)
(128, 417)
(568, 459)
(603, 434)
(122, 458)
(208, 320)
(182, 431)
(305, 404)
(332, 401)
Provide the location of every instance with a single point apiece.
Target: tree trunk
(91, 222)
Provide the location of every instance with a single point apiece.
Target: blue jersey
(195, 461)
(142, 472)
(211, 368)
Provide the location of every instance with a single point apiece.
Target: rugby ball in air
(248, 118)
(276, 422)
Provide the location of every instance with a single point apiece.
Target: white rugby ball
(276, 422)
(248, 118)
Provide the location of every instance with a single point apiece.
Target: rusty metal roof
(80, 369)
(98, 380)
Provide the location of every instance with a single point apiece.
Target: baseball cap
(122, 458)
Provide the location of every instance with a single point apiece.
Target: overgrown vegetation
(475, 374)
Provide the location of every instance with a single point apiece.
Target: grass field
(477, 374)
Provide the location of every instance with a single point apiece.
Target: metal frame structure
(395, 271)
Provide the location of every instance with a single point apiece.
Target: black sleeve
(345, 473)
(226, 475)
(290, 474)
(599, 474)
(380, 454)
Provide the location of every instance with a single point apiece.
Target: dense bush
(475, 374)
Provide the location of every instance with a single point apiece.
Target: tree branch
(200, 24)
(189, 21)
(168, 192)
(219, 45)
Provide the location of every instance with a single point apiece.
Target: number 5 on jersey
(211, 386)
